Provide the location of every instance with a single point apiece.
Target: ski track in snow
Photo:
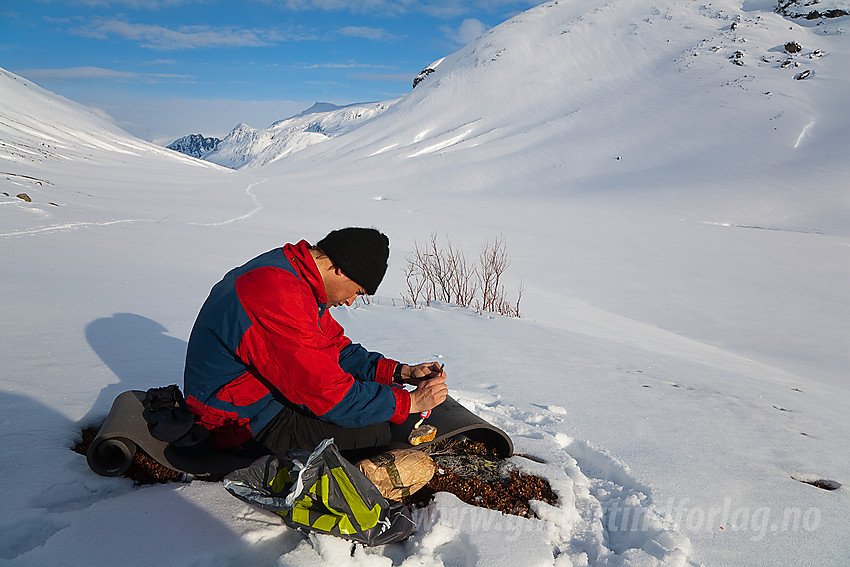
(258, 206)
(803, 134)
(74, 226)
(754, 227)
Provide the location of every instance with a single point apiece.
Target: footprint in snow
(79, 494)
(602, 511)
(22, 535)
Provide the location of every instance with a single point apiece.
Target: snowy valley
(671, 182)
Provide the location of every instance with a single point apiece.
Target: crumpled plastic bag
(399, 473)
(324, 494)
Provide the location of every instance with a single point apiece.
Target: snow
(680, 223)
(251, 147)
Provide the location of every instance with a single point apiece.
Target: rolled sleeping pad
(111, 453)
(111, 457)
(125, 430)
(453, 420)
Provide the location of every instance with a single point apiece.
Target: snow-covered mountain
(195, 145)
(246, 146)
(41, 127)
(671, 182)
(586, 69)
(60, 153)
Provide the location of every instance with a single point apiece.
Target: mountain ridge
(195, 145)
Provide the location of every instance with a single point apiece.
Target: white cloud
(386, 78)
(360, 6)
(164, 120)
(89, 73)
(75, 73)
(435, 8)
(469, 30)
(134, 4)
(348, 65)
(161, 62)
(377, 34)
(184, 37)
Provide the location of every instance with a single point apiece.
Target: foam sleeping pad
(125, 431)
(451, 420)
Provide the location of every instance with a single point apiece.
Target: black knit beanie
(361, 253)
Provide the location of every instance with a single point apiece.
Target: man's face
(341, 290)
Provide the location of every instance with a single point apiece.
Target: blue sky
(165, 68)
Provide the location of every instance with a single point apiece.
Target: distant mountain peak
(319, 123)
(195, 145)
(320, 107)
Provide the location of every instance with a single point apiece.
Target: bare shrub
(441, 272)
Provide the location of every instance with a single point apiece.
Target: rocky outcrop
(798, 9)
(426, 71)
(195, 145)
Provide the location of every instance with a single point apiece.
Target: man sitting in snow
(268, 369)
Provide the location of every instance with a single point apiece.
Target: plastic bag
(399, 473)
(325, 494)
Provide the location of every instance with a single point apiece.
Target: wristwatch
(397, 373)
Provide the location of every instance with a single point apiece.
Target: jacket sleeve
(290, 350)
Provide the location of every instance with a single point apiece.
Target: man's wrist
(398, 374)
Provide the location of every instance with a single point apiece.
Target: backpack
(322, 493)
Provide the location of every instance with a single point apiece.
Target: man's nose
(350, 300)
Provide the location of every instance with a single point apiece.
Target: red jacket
(264, 337)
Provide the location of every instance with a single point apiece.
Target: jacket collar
(301, 259)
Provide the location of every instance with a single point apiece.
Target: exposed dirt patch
(509, 494)
(143, 470)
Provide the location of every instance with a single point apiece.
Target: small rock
(804, 75)
(24, 197)
(823, 483)
(793, 47)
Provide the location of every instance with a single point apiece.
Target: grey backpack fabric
(323, 493)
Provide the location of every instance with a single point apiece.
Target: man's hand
(430, 393)
(415, 375)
